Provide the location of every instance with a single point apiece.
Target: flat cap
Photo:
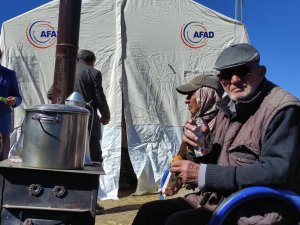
(237, 55)
(207, 80)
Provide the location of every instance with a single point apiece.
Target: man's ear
(262, 70)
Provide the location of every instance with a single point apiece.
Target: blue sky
(273, 28)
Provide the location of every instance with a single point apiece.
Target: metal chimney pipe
(66, 49)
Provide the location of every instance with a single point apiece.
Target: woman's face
(192, 103)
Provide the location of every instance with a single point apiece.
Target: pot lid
(59, 108)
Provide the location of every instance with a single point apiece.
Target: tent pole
(241, 10)
(236, 9)
(66, 49)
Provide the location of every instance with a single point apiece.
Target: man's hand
(11, 101)
(104, 121)
(185, 170)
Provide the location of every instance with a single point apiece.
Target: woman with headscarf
(203, 92)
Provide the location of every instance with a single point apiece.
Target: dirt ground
(122, 211)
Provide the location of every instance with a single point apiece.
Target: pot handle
(47, 119)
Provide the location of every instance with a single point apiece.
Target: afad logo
(41, 34)
(195, 35)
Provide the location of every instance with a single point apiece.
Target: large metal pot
(55, 136)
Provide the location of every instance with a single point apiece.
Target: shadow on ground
(123, 208)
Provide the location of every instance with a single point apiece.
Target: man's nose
(235, 78)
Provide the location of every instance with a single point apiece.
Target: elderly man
(257, 132)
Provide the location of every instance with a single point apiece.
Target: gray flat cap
(207, 80)
(237, 55)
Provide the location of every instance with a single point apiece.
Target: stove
(37, 196)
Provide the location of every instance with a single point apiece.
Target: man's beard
(247, 94)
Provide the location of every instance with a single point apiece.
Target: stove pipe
(66, 49)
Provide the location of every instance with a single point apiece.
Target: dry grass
(122, 211)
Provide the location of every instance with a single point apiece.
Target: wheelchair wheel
(264, 209)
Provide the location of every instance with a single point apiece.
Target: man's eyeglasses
(239, 71)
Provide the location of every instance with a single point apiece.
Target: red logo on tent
(195, 35)
(41, 34)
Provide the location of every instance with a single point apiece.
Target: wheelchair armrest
(246, 194)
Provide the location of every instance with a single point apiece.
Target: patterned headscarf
(207, 98)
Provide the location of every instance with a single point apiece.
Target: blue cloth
(8, 87)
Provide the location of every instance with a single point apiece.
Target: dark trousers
(95, 150)
(171, 212)
(5, 146)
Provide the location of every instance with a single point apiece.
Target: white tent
(144, 50)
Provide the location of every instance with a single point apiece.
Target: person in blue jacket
(9, 98)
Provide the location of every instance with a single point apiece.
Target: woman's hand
(189, 136)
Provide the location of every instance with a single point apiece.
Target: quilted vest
(243, 134)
